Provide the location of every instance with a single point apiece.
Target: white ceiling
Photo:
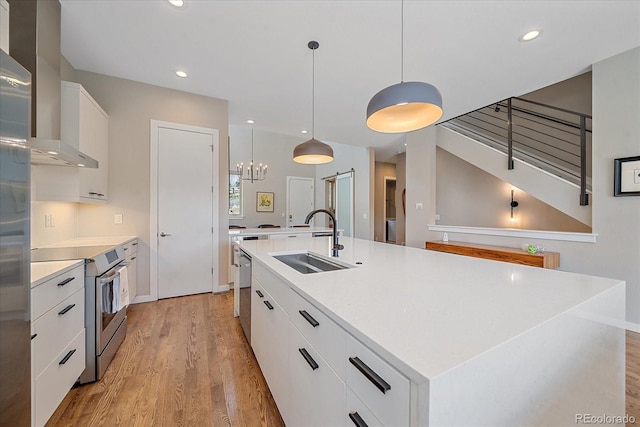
(254, 53)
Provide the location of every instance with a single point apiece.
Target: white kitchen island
(421, 338)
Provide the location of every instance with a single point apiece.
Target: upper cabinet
(85, 126)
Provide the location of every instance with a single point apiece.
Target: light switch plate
(117, 218)
(419, 206)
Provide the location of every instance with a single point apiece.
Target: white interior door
(344, 204)
(300, 199)
(185, 211)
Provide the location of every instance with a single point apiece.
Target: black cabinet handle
(100, 195)
(134, 243)
(357, 420)
(268, 304)
(308, 318)
(67, 308)
(133, 257)
(33, 336)
(382, 385)
(65, 281)
(126, 249)
(93, 193)
(67, 357)
(259, 294)
(308, 358)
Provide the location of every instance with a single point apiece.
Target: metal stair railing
(554, 139)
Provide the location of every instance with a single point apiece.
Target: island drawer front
(328, 338)
(57, 328)
(392, 407)
(272, 284)
(355, 406)
(317, 393)
(131, 247)
(56, 381)
(50, 293)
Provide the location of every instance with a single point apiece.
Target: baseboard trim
(633, 327)
(143, 298)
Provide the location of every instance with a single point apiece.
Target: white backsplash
(53, 222)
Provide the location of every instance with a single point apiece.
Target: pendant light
(313, 152)
(404, 106)
(259, 173)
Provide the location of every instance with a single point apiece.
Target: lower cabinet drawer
(56, 381)
(56, 328)
(357, 413)
(317, 394)
(385, 391)
(51, 292)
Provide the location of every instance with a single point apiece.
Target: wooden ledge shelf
(497, 253)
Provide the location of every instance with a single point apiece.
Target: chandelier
(251, 173)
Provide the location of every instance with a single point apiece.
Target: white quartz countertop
(268, 231)
(43, 271)
(92, 241)
(425, 311)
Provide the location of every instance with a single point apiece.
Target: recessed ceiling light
(52, 152)
(304, 131)
(250, 121)
(533, 34)
(177, 3)
(181, 73)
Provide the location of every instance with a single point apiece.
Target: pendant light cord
(313, 93)
(401, 40)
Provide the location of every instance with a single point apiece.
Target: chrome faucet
(336, 246)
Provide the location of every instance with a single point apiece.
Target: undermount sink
(307, 262)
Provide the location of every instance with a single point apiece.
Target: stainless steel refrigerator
(15, 318)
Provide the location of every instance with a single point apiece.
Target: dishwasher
(243, 264)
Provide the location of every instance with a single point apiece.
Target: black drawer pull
(357, 420)
(308, 318)
(382, 385)
(65, 281)
(268, 304)
(308, 358)
(126, 249)
(259, 294)
(67, 308)
(33, 336)
(133, 257)
(93, 193)
(100, 195)
(134, 243)
(67, 357)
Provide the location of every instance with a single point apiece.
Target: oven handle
(115, 272)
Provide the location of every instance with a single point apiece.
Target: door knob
(163, 234)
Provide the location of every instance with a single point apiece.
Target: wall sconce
(513, 204)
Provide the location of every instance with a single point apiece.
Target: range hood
(55, 152)
(35, 44)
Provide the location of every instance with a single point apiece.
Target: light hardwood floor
(185, 362)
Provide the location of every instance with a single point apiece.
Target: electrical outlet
(437, 217)
(364, 216)
(419, 206)
(53, 220)
(117, 218)
(47, 220)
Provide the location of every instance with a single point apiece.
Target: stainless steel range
(105, 323)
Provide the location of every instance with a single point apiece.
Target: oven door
(108, 316)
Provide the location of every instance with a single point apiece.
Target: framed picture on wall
(264, 202)
(626, 176)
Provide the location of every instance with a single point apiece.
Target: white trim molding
(514, 232)
(634, 327)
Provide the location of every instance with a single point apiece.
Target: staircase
(541, 149)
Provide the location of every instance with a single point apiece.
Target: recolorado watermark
(605, 419)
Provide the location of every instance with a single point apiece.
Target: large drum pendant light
(404, 106)
(313, 152)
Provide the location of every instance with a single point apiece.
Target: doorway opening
(389, 209)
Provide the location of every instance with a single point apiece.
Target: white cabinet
(58, 343)
(85, 126)
(131, 253)
(334, 380)
(4, 25)
(269, 338)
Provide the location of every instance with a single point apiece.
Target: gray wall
(276, 151)
(131, 106)
(616, 108)
(467, 195)
(401, 184)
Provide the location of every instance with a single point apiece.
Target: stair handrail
(582, 127)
